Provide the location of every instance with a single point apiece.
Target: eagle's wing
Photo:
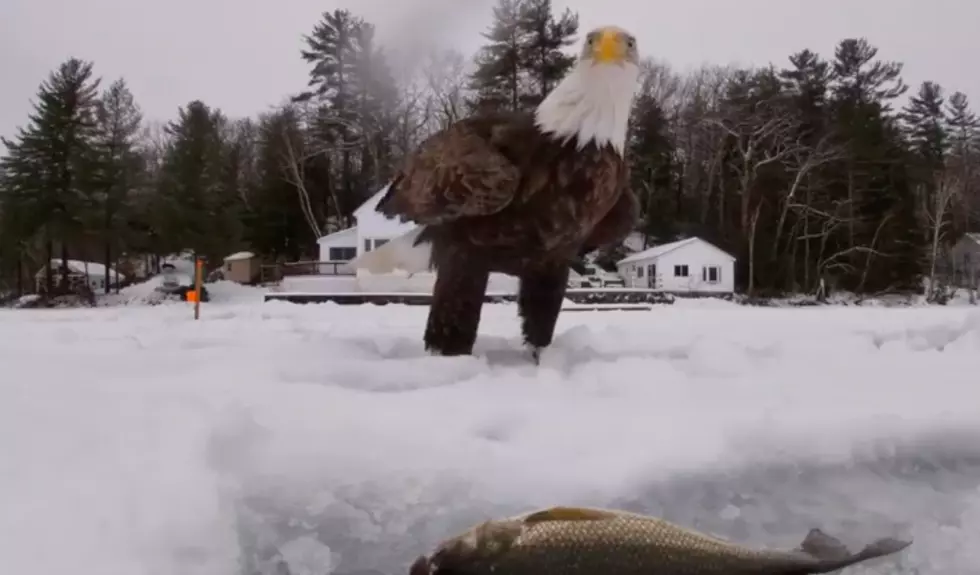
(618, 222)
(458, 172)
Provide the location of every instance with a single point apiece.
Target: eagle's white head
(593, 102)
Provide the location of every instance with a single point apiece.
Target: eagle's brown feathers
(458, 172)
(517, 195)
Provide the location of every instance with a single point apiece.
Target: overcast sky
(243, 55)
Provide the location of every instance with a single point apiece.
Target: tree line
(807, 171)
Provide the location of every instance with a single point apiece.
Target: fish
(593, 541)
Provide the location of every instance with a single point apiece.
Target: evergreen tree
(545, 41)
(60, 133)
(276, 223)
(21, 212)
(377, 101)
(925, 122)
(332, 53)
(115, 140)
(191, 180)
(651, 153)
(882, 232)
(963, 127)
(499, 81)
(353, 97)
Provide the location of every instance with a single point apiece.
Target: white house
(686, 266)
(91, 273)
(340, 246)
(372, 230)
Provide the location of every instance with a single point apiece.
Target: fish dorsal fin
(569, 514)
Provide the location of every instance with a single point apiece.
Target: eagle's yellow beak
(610, 48)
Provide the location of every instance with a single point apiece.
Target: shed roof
(239, 256)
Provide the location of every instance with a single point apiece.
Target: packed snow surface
(136, 441)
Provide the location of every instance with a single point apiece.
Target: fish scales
(582, 541)
(625, 546)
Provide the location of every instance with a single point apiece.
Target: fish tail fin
(832, 555)
(408, 252)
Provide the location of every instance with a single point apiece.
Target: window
(711, 274)
(342, 254)
(680, 271)
(639, 271)
(373, 244)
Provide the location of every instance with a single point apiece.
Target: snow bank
(137, 441)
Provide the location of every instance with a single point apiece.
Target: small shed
(242, 267)
(691, 266)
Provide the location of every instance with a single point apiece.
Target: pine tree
(352, 93)
(963, 127)
(190, 185)
(879, 246)
(651, 154)
(115, 140)
(275, 223)
(22, 215)
(376, 102)
(544, 39)
(500, 79)
(925, 124)
(61, 129)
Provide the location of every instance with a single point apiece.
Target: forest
(817, 169)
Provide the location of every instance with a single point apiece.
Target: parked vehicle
(598, 277)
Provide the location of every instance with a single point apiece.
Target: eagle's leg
(539, 303)
(457, 300)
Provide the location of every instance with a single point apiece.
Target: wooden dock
(583, 299)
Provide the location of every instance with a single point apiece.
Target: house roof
(239, 256)
(371, 203)
(338, 235)
(658, 251)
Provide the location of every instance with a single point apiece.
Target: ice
(136, 441)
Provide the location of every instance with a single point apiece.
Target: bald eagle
(523, 194)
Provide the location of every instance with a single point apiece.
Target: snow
(221, 291)
(239, 256)
(137, 441)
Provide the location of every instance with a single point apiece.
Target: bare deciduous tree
(936, 210)
(300, 148)
(445, 75)
(763, 137)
